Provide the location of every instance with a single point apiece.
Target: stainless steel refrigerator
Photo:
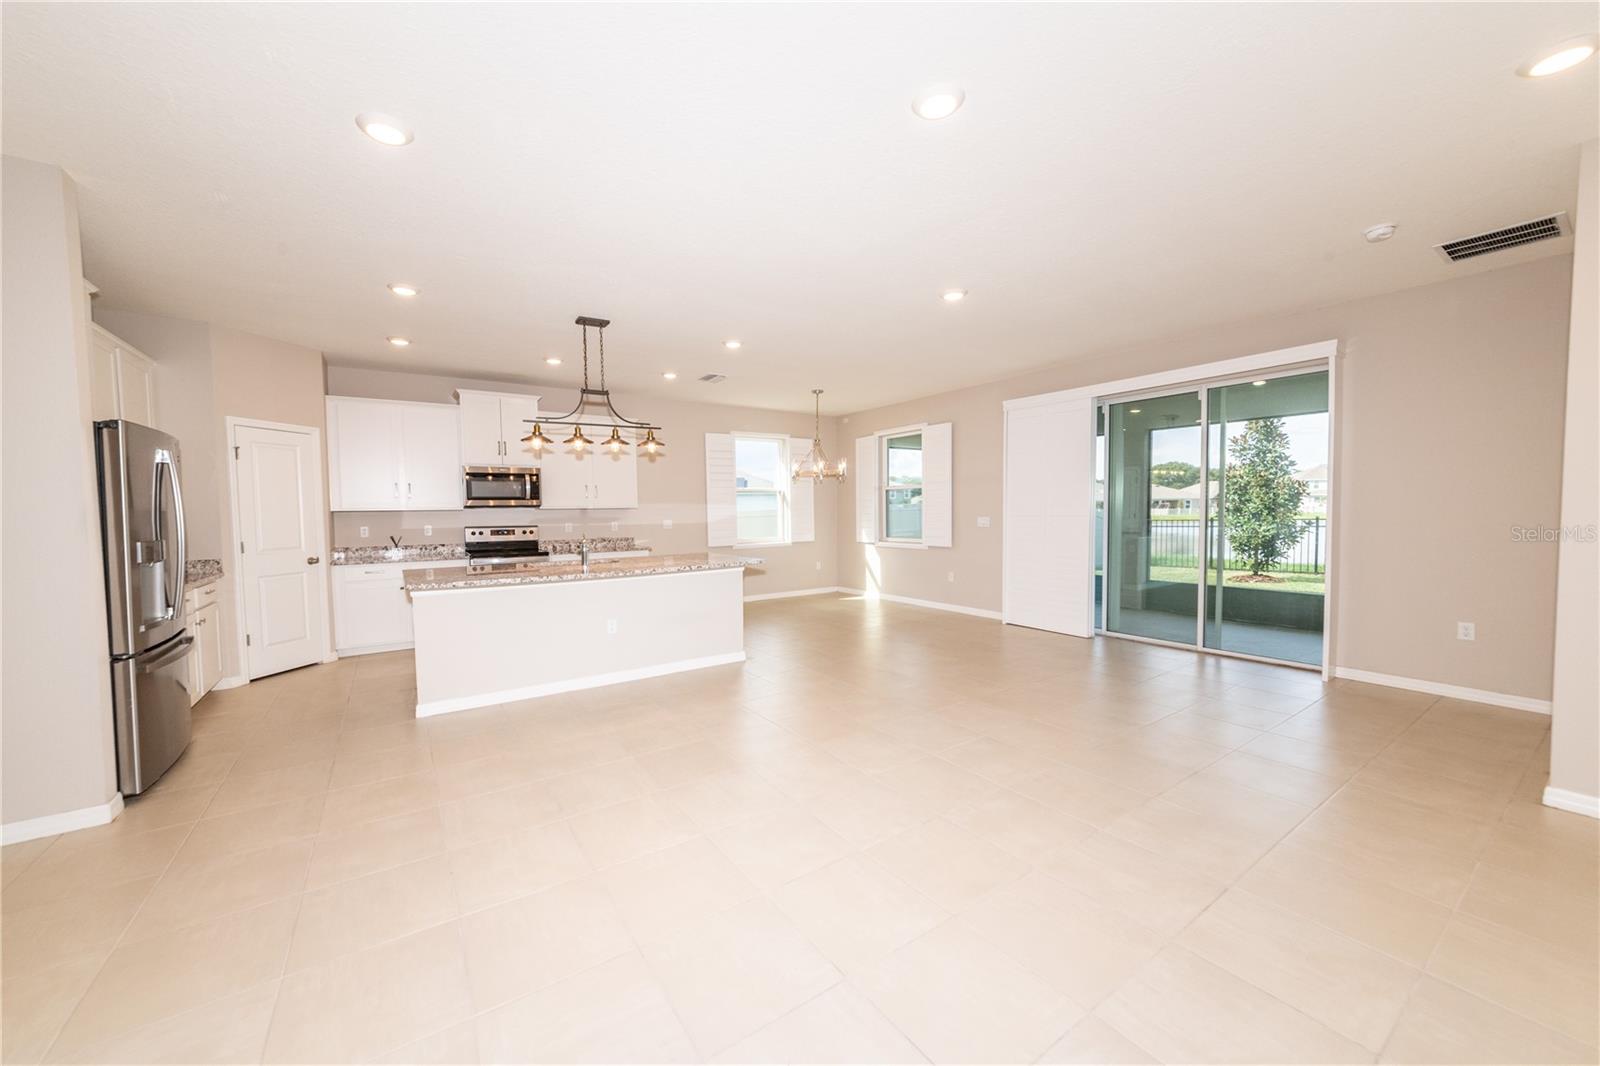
(141, 512)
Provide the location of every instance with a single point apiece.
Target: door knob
(313, 560)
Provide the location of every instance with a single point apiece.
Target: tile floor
(894, 835)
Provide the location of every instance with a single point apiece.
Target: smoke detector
(1539, 229)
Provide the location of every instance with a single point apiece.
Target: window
(902, 488)
(761, 489)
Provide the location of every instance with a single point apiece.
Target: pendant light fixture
(816, 464)
(599, 402)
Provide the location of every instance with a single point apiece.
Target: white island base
(489, 644)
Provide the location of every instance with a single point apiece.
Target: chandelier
(594, 409)
(816, 464)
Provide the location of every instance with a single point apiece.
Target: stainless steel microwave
(501, 486)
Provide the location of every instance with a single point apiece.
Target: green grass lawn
(1311, 584)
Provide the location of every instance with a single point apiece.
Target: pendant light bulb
(615, 442)
(578, 440)
(537, 439)
(651, 443)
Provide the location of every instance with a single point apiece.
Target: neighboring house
(1316, 498)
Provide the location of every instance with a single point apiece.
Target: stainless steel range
(487, 545)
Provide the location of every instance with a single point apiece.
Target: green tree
(1261, 495)
(1175, 475)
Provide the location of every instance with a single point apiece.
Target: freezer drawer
(150, 696)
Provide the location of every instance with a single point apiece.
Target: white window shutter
(866, 476)
(722, 525)
(802, 497)
(937, 480)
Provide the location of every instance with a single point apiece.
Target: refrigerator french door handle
(163, 459)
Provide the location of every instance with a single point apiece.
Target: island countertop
(438, 578)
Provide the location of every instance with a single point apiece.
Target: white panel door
(515, 415)
(364, 453)
(564, 479)
(430, 439)
(615, 477)
(136, 388)
(480, 430)
(1048, 517)
(280, 566)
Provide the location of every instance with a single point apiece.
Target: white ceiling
(1119, 172)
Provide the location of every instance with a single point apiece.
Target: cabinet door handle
(408, 490)
(397, 490)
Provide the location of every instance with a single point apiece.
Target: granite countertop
(428, 553)
(202, 572)
(434, 579)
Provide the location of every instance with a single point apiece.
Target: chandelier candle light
(816, 464)
(595, 400)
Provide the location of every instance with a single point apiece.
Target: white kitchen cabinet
(492, 427)
(122, 379)
(592, 478)
(388, 455)
(203, 620)
(370, 608)
(429, 442)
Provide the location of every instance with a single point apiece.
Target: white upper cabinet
(430, 439)
(492, 427)
(386, 455)
(122, 379)
(592, 478)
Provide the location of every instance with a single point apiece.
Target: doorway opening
(1212, 506)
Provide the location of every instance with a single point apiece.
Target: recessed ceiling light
(670, 375)
(554, 360)
(1381, 232)
(733, 346)
(1563, 56)
(953, 296)
(402, 289)
(399, 342)
(938, 101)
(385, 129)
(1258, 384)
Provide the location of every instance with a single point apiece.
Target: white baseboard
(529, 692)
(231, 682)
(976, 612)
(1439, 688)
(375, 649)
(51, 824)
(824, 590)
(1576, 802)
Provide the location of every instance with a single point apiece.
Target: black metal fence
(1176, 542)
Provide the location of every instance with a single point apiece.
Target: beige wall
(671, 487)
(1575, 730)
(59, 752)
(1450, 411)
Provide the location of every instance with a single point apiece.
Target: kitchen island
(494, 633)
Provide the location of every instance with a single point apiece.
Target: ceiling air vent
(1540, 229)
(712, 379)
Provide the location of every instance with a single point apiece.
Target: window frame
(884, 539)
(782, 491)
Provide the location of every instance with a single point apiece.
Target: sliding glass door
(1153, 463)
(1267, 523)
(1223, 489)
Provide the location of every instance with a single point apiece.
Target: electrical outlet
(983, 521)
(427, 531)
(615, 526)
(569, 527)
(1466, 631)
(666, 523)
(611, 627)
(951, 576)
(819, 564)
(364, 532)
